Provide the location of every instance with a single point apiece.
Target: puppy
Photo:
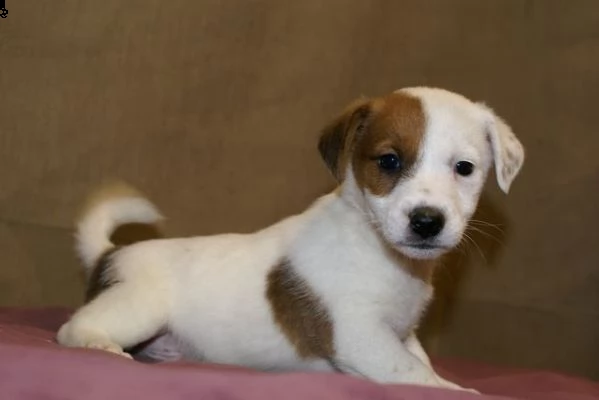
(340, 287)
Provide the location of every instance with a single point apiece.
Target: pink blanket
(33, 366)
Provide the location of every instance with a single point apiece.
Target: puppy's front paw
(429, 378)
(454, 386)
(423, 377)
(463, 389)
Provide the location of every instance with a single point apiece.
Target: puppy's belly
(220, 312)
(167, 348)
(252, 343)
(164, 348)
(235, 328)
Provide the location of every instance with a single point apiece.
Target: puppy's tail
(113, 205)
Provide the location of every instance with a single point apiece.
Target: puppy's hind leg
(128, 292)
(122, 316)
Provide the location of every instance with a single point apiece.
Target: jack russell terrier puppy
(340, 287)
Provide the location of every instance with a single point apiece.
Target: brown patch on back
(102, 276)
(128, 234)
(299, 313)
(396, 126)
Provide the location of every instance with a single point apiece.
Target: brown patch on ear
(397, 127)
(299, 313)
(336, 138)
(102, 276)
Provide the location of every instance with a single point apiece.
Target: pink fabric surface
(33, 366)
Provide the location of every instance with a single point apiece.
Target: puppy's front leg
(373, 350)
(413, 345)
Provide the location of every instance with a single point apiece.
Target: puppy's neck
(351, 222)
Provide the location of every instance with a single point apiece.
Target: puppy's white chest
(406, 305)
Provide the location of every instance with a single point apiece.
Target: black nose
(426, 222)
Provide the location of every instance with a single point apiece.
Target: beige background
(213, 108)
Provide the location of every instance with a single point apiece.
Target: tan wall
(213, 107)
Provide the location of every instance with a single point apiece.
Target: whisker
(487, 234)
(471, 240)
(486, 223)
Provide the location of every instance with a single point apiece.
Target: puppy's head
(415, 162)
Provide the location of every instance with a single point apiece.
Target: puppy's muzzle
(426, 222)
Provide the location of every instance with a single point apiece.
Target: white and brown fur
(340, 287)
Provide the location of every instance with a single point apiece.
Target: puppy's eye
(464, 168)
(389, 162)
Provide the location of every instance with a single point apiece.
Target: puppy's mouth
(421, 250)
(422, 245)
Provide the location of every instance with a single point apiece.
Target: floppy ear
(508, 152)
(336, 138)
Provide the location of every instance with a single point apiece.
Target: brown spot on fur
(102, 276)
(369, 129)
(396, 127)
(299, 313)
(128, 234)
(336, 137)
